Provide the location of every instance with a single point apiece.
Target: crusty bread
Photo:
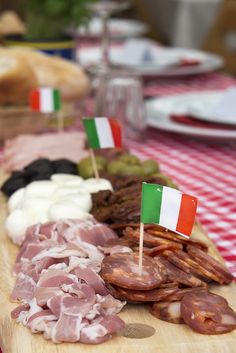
(10, 23)
(16, 79)
(55, 72)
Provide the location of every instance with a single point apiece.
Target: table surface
(201, 168)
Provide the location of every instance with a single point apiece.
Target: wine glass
(104, 9)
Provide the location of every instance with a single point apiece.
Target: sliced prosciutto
(58, 284)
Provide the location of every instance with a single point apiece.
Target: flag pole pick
(94, 164)
(140, 262)
(60, 121)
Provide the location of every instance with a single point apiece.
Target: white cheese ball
(16, 199)
(66, 209)
(42, 188)
(83, 200)
(16, 224)
(38, 208)
(66, 179)
(63, 191)
(93, 185)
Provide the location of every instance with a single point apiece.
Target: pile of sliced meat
(58, 285)
(175, 278)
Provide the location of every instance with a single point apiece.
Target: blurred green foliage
(48, 19)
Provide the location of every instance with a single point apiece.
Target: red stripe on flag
(187, 214)
(116, 132)
(35, 100)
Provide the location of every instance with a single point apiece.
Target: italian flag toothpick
(45, 100)
(102, 132)
(168, 207)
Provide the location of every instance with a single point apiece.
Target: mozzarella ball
(16, 224)
(66, 209)
(38, 208)
(42, 188)
(83, 200)
(66, 179)
(16, 199)
(93, 185)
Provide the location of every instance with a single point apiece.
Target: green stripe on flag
(56, 100)
(151, 203)
(91, 131)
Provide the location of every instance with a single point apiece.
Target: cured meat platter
(143, 332)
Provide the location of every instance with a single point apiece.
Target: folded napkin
(147, 52)
(194, 122)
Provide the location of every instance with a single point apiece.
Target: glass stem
(105, 41)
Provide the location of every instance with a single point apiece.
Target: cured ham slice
(58, 283)
(22, 150)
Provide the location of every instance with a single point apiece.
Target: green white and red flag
(45, 100)
(103, 132)
(168, 207)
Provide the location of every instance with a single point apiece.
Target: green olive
(129, 159)
(100, 160)
(86, 171)
(115, 166)
(150, 166)
(131, 170)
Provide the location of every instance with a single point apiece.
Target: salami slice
(174, 274)
(177, 238)
(161, 248)
(207, 313)
(123, 271)
(223, 275)
(154, 295)
(180, 293)
(149, 239)
(188, 265)
(167, 311)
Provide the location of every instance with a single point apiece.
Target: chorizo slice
(149, 240)
(174, 274)
(180, 293)
(123, 270)
(176, 238)
(185, 263)
(167, 311)
(154, 295)
(207, 313)
(213, 265)
(161, 248)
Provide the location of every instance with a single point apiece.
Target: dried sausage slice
(224, 276)
(167, 311)
(154, 295)
(207, 313)
(123, 271)
(174, 274)
(188, 265)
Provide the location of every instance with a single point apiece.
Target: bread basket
(20, 120)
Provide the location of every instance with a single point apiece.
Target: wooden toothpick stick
(60, 121)
(140, 263)
(94, 164)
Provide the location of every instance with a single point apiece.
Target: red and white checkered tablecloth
(206, 170)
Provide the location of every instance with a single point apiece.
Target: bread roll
(16, 79)
(10, 23)
(56, 72)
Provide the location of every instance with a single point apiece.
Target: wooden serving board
(167, 338)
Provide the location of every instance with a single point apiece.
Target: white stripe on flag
(104, 132)
(170, 206)
(46, 100)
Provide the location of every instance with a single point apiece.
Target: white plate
(119, 28)
(159, 111)
(164, 64)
